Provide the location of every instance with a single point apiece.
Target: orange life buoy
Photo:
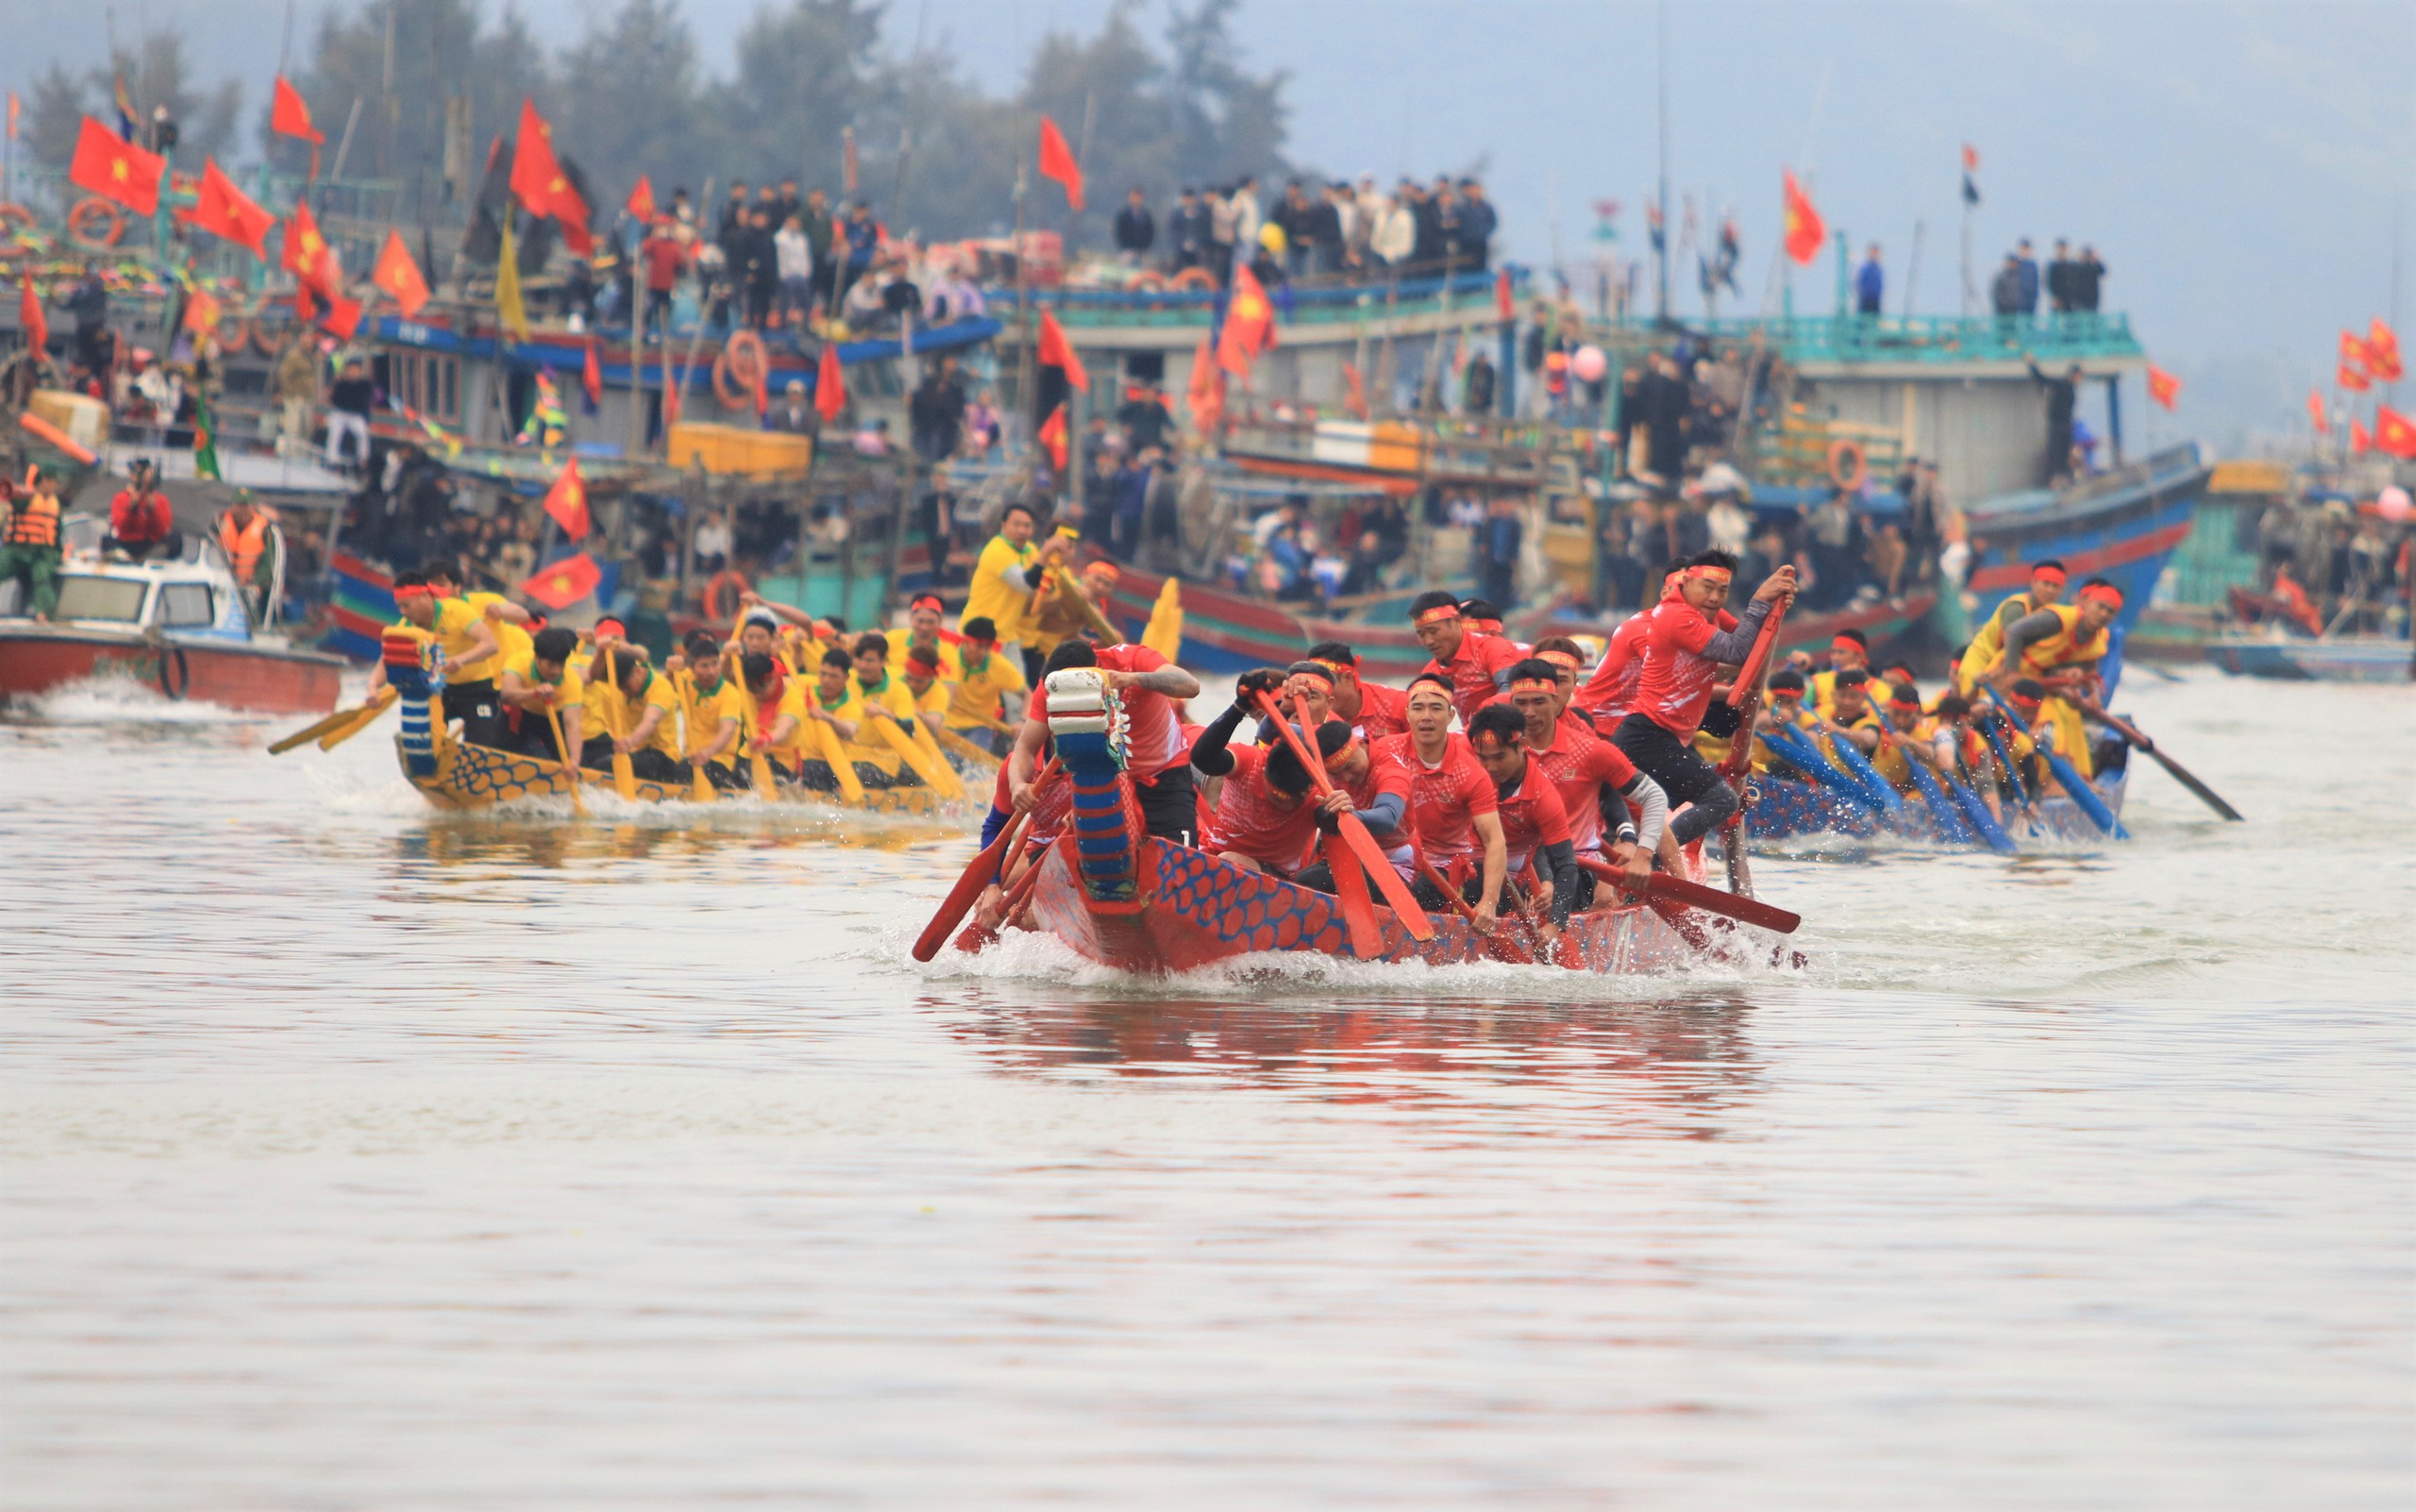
(80, 223)
(743, 367)
(14, 218)
(1848, 467)
(1150, 280)
(721, 596)
(1193, 278)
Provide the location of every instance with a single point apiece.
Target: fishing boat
(1127, 900)
(2123, 526)
(2323, 659)
(455, 774)
(182, 627)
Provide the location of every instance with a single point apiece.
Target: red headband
(1518, 685)
(930, 601)
(2043, 574)
(1558, 659)
(917, 661)
(1904, 698)
(1437, 614)
(1337, 668)
(1488, 627)
(1847, 643)
(1318, 675)
(1708, 573)
(2103, 593)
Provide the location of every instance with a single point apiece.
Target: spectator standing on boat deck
(297, 391)
(1473, 233)
(89, 302)
(1188, 232)
(30, 549)
(349, 405)
(2087, 276)
(1869, 283)
(2063, 394)
(1137, 230)
(2059, 278)
(2026, 267)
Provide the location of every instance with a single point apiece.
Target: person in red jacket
(1455, 815)
(1266, 818)
(1684, 649)
(140, 521)
(1580, 764)
(1371, 710)
(1477, 665)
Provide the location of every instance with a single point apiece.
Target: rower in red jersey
(1453, 812)
(1534, 827)
(1683, 653)
(1371, 710)
(1580, 764)
(1567, 659)
(1477, 665)
(1266, 818)
(1609, 695)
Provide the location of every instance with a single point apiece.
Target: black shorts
(1171, 806)
(1669, 761)
(480, 711)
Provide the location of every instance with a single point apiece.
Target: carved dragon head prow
(1091, 732)
(418, 683)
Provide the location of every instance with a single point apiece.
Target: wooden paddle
(570, 761)
(936, 775)
(979, 872)
(2180, 774)
(1354, 832)
(361, 720)
(1358, 910)
(957, 744)
(1019, 896)
(312, 732)
(625, 771)
(700, 787)
(1508, 949)
(2076, 787)
(1661, 886)
(834, 755)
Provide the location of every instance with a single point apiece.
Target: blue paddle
(1856, 762)
(1813, 765)
(2083, 795)
(1982, 820)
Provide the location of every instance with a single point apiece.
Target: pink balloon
(2393, 504)
(1590, 365)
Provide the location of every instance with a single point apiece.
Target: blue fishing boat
(2329, 659)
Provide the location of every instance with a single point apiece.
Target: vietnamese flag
(2162, 386)
(2359, 441)
(1055, 350)
(2352, 378)
(2354, 354)
(564, 584)
(590, 379)
(307, 257)
(1204, 397)
(289, 116)
(1052, 435)
(1249, 323)
(114, 168)
(642, 201)
(538, 178)
(1057, 162)
(830, 388)
(1805, 230)
(2394, 434)
(397, 273)
(343, 319)
(29, 315)
(566, 501)
(222, 210)
(2315, 411)
(2382, 351)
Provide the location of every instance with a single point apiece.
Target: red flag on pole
(1354, 391)
(1205, 395)
(2352, 378)
(591, 377)
(566, 501)
(222, 210)
(2315, 411)
(289, 116)
(2382, 351)
(397, 273)
(1805, 230)
(29, 315)
(2162, 386)
(307, 257)
(1249, 323)
(1057, 162)
(2359, 441)
(343, 319)
(1052, 435)
(642, 200)
(564, 584)
(2395, 432)
(1504, 308)
(114, 168)
(829, 388)
(1053, 350)
(538, 178)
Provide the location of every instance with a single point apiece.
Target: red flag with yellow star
(2395, 432)
(2352, 378)
(830, 388)
(30, 316)
(566, 501)
(114, 168)
(1805, 230)
(538, 178)
(2382, 351)
(2162, 386)
(563, 584)
(1053, 350)
(1052, 436)
(290, 116)
(398, 272)
(307, 257)
(222, 210)
(1249, 323)
(2315, 411)
(1057, 162)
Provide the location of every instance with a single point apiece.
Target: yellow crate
(729, 450)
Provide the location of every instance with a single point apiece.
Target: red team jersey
(1249, 821)
(1472, 669)
(1676, 683)
(1382, 711)
(1611, 691)
(1531, 817)
(1578, 764)
(1443, 798)
(1156, 738)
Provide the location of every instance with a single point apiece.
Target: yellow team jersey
(707, 708)
(760, 721)
(973, 698)
(993, 597)
(664, 695)
(893, 694)
(514, 639)
(850, 710)
(1989, 642)
(455, 619)
(570, 689)
(933, 704)
(951, 661)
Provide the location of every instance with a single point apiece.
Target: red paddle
(1509, 949)
(1745, 697)
(1354, 832)
(978, 875)
(1358, 910)
(1661, 887)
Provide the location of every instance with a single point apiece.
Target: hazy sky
(2240, 167)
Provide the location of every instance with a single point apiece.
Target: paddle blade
(362, 719)
(1387, 881)
(764, 788)
(1661, 887)
(961, 898)
(1350, 889)
(312, 732)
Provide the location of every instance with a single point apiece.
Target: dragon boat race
(1195, 753)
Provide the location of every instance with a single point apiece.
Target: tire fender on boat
(175, 672)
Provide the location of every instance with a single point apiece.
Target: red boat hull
(234, 675)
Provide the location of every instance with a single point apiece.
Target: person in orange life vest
(1455, 817)
(1682, 654)
(1371, 710)
(1535, 826)
(1266, 818)
(29, 547)
(1584, 769)
(141, 523)
(248, 534)
(2061, 647)
(1151, 693)
(1478, 666)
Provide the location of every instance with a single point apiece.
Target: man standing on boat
(2047, 579)
(248, 535)
(139, 520)
(2061, 647)
(1683, 651)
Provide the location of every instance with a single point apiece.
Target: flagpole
(1661, 251)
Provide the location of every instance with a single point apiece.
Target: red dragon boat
(1125, 899)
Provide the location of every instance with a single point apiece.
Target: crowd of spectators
(2072, 281)
(1313, 228)
(2323, 563)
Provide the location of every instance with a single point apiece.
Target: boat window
(82, 596)
(187, 603)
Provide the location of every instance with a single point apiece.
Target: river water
(355, 1156)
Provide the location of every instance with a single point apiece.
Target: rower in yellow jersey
(832, 702)
(2060, 646)
(472, 656)
(882, 697)
(1852, 717)
(923, 634)
(638, 710)
(1847, 648)
(539, 684)
(714, 706)
(2047, 579)
(1783, 710)
(985, 702)
(774, 725)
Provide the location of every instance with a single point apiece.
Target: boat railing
(2055, 338)
(1310, 301)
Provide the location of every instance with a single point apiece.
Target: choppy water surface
(354, 1156)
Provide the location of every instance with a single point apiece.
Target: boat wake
(109, 699)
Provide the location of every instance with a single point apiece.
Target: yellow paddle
(950, 740)
(935, 772)
(570, 761)
(315, 728)
(624, 772)
(834, 751)
(700, 786)
(357, 720)
(1163, 633)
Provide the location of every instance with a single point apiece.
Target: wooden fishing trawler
(455, 774)
(1127, 900)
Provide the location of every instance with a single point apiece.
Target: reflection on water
(1649, 1068)
(546, 841)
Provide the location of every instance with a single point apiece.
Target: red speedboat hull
(252, 677)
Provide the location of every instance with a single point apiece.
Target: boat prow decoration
(1122, 898)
